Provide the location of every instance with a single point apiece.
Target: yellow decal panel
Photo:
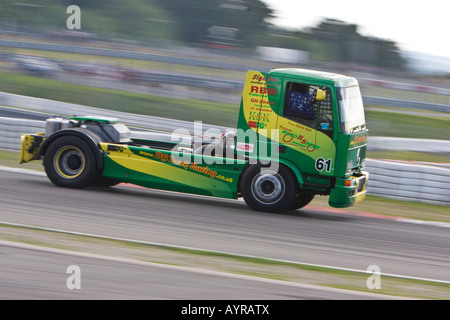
(165, 166)
(260, 116)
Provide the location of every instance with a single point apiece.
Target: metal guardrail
(413, 182)
(11, 129)
(69, 109)
(409, 104)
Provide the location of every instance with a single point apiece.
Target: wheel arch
(89, 137)
(295, 171)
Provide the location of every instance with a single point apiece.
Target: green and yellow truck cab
(300, 133)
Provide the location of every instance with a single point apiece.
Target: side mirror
(320, 95)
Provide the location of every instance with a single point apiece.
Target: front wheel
(301, 200)
(266, 190)
(70, 162)
(105, 182)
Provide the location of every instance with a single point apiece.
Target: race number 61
(322, 164)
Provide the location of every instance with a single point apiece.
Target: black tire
(70, 161)
(301, 200)
(105, 182)
(268, 191)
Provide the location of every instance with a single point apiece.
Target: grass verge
(216, 261)
(11, 159)
(390, 124)
(393, 208)
(222, 114)
(410, 156)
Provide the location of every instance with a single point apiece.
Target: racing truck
(300, 133)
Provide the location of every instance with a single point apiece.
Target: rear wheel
(266, 190)
(70, 162)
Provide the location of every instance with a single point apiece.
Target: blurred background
(188, 59)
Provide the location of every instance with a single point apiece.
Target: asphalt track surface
(40, 273)
(312, 235)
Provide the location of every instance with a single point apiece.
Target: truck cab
(317, 121)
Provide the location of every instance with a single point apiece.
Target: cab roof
(338, 80)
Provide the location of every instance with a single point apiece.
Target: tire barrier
(411, 182)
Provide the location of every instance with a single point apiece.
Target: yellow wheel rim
(69, 162)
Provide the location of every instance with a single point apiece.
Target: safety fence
(11, 129)
(52, 107)
(393, 179)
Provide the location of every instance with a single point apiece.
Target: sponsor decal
(359, 140)
(297, 140)
(253, 124)
(204, 170)
(115, 148)
(260, 94)
(247, 147)
(166, 157)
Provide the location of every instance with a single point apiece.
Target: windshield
(351, 110)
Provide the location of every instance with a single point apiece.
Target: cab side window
(301, 106)
(299, 103)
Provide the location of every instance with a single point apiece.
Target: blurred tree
(242, 19)
(346, 45)
(243, 23)
(132, 20)
(180, 20)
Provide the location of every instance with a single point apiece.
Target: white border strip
(163, 245)
(199, 271)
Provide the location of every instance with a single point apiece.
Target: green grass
(410, 156)
(11, 159)
(406, 94)
(390, 124)
(222, 114)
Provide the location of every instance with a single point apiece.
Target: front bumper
(29, 147)
(349, 191)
